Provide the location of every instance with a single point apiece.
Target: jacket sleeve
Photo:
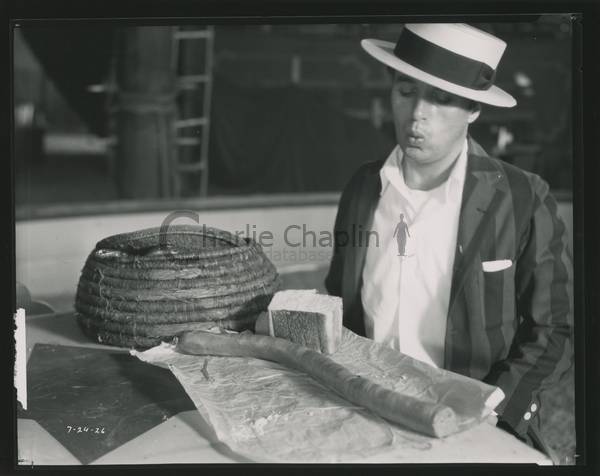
(541, 351)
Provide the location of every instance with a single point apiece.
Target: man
(486, 287)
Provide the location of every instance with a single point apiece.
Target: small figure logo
(401, 232)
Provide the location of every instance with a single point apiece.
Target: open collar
(391, 175)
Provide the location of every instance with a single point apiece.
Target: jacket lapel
(484, 188)
(366, 202)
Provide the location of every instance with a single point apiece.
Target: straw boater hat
(455, 57)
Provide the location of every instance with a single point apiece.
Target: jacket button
(533, 407)
(527, 416)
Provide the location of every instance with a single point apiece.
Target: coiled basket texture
(141, 288)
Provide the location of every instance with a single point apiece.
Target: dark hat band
(443, 63)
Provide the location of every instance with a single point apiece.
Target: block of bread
(307, 318)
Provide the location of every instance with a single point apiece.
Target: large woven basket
(138, 289)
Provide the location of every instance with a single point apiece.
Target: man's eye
(405, 90)
(442, 97)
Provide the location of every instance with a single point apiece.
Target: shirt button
(527, 416)
(533, 407)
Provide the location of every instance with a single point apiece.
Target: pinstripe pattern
(510, 328)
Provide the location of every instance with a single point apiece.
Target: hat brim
(383, 51)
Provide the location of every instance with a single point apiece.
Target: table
(187, 438)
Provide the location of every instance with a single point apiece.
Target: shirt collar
(391, 173)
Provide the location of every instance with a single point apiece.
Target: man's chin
(416, 154)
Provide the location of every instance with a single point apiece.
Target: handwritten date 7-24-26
(99, 430)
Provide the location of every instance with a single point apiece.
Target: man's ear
(474, 113)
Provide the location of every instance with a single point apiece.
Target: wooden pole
(146, 90)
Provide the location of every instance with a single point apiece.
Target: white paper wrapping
(273, 414)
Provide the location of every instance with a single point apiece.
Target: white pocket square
(497, 265)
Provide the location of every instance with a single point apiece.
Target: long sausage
(433, 419)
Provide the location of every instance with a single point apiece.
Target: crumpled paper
(269, 413)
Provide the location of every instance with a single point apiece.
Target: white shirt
(406, 298)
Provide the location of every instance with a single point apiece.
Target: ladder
(193, 58)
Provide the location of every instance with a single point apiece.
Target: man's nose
(420, 108)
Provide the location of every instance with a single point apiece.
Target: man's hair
(471, 104)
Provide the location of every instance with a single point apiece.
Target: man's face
(430, 124)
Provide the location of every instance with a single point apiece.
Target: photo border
(585, 190)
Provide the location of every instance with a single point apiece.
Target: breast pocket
(497, 281)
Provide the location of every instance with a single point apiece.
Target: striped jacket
(511, 328)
